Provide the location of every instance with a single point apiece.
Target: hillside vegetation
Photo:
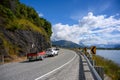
(20, 27)
(14, 15)
(111, 69)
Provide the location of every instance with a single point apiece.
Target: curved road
(36, 70)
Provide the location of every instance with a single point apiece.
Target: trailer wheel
(29, 60)
(41, 58)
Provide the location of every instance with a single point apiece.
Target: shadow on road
(30, 61)
(81, 69)
(27, 61)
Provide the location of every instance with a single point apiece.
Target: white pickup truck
(51, 52)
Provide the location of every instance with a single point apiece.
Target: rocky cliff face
(22, 31)
(21, 42)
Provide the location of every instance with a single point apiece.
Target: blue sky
(86, 21)
(69, 11)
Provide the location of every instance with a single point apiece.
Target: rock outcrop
(21, 42)
(22, 31)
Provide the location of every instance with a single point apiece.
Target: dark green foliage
(11, 4)
(6, 12)
(5, 3)
(47, 26)
(22, 11)
(13, 9)
(6, 15)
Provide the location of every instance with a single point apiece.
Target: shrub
(111, 69)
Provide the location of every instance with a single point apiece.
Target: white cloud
(66, 32)
(40, 14)
(90, 30)
(99, 21)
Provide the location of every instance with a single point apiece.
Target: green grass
(110, 68)
(24, 24)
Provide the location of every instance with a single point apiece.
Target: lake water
(113, 55)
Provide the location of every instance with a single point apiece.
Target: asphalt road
(38, 70)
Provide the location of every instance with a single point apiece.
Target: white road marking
(56, 69)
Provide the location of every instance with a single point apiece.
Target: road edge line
(56, 68)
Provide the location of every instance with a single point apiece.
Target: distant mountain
(70, 44)
(107, 45)
(117, 46)
(64, 43)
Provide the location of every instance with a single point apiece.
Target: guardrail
(92, 67)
